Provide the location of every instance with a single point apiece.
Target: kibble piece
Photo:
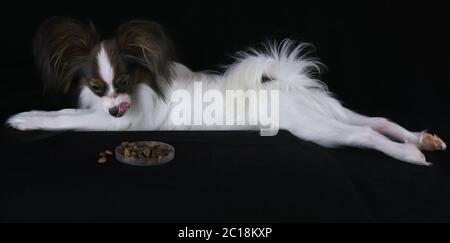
(127, 152)
(102, 160)
(147, 152)
(108, 152)
(102, 154)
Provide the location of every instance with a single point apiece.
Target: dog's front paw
(26, 121)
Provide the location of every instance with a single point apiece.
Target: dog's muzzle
(120, 110)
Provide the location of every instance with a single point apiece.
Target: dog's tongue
(123, 107)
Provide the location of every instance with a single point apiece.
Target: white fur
(105, 69)
(307, 109)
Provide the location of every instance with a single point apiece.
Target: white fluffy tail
(286, 66)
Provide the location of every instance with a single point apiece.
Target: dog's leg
(85, 120)
(54, 113)
(423, 140)
(329, 132)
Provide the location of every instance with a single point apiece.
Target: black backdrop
(384, 58)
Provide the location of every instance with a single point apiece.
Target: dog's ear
(61, 49)
(147, 45)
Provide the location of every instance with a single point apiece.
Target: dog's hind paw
(431, 142)
(413, 155)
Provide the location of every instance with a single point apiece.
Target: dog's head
(69, 52)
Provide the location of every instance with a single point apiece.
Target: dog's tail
(286, 66)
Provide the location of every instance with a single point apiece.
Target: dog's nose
(114, 111)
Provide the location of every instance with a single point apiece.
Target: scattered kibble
(103, 156)
(102, 160)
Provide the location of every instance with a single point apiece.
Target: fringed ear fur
(146, 45)
(61, 48)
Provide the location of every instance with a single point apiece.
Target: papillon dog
(129, 83)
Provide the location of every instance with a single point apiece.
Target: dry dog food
(143, 151)
(103, 156)
(102, 160)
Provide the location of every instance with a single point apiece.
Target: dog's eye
(96, 88)
(124, 83)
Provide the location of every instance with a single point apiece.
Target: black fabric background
(384, 58)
